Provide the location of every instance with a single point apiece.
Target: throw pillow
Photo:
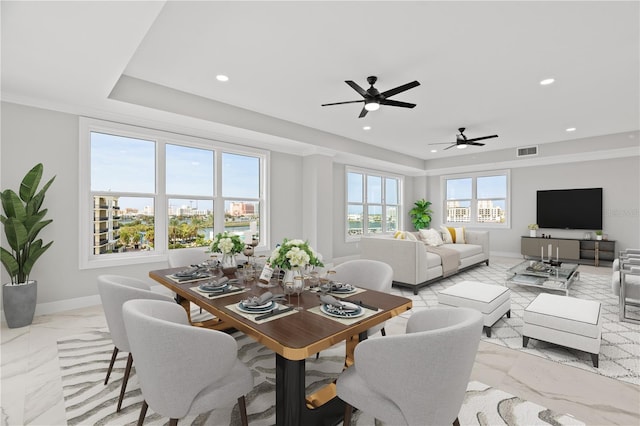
(409, 236)
(446, 235)
(457, 234)
(399, 235)
(431, 237)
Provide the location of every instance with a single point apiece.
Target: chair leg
(348, 409)
(173, 422)
(242, 406)
(383, 331)
(143, 412)
(125, 379)
(317, 355)
(456, 422)
(113, 359)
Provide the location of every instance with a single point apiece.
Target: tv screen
(570, 208)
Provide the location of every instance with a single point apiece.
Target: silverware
(364, 305)
(273, 313)
(225, 292)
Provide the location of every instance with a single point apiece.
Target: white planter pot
(532, 233)
(598, 237)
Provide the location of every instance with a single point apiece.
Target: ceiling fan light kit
(372, 98)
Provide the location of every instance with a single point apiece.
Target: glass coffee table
(543, 275)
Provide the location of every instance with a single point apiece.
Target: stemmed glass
(298, 288)
(289, 289)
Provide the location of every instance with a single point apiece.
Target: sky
(125, 164)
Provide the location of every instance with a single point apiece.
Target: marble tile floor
(31, 387)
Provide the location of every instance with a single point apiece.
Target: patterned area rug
(84, 360)
(620, 347)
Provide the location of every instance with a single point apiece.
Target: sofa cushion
(446, 235)
(465, 250)
(457, 235)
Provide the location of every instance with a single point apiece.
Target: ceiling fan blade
(474, 143)
(397, 103)
(442, 143)
(481, 138)
(400, 89)
(341, 103)
(363, 112)
(449, 147)
(357, 88)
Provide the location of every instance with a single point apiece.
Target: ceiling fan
(462, 141)
(373, 98)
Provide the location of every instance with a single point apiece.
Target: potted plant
(532, 229)
(599, 234)
(23, 222)
(421, 214)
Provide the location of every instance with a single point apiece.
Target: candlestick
(253, 227)
(541, 254)
(549, 251)
(247, 237)
(557, 254)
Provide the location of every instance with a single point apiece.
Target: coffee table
(543, 275)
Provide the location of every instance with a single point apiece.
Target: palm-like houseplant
(23, 220)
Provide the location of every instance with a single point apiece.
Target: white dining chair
(418, 378)
(182, 369)
(185, 257)
(114, 291)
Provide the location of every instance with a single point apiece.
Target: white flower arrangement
(294, 254)
(226, 243)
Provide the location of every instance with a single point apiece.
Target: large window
(144, 192)
(373, 203)
(477, 199)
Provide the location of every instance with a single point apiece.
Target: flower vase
(228, 264)
(532, 233)
(290, 274)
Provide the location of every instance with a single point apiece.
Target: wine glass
(289, 289)
(298, 288)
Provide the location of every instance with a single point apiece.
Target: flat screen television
(570, 208)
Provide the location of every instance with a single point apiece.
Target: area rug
(620, 347)
(84, 360)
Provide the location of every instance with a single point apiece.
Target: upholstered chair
(418, 378)
(187, 257)
(369, 274)
(183, 369)
(114, 291)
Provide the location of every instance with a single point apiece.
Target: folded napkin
(262, 299)
(341, 286)
(332, 302)
(186, 273)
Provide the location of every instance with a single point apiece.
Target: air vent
(527, 151)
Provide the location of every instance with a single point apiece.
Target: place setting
(193, 273)
(218, 288)
(346, 312)
(262, 308)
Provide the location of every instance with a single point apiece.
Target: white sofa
(413, 266)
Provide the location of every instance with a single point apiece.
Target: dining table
(293, 335)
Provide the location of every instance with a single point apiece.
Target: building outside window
(477, 199)
(373, 203)
(151, 191)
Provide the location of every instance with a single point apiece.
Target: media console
(587, 252)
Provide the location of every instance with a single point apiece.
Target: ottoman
(493, 301)
(565, 321)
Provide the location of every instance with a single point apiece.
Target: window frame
(473, 222)
(365, 204)
(88, 260)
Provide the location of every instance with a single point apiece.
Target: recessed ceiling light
(222, 77)
(366, 128)
(571, 129)
(547, 81)
(434, 150)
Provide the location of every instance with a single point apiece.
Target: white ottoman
(493, 301)
(565, 321)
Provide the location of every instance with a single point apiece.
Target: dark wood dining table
(293, 338)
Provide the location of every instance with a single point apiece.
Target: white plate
(343, 291)
(260, 309)
(358, 312)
